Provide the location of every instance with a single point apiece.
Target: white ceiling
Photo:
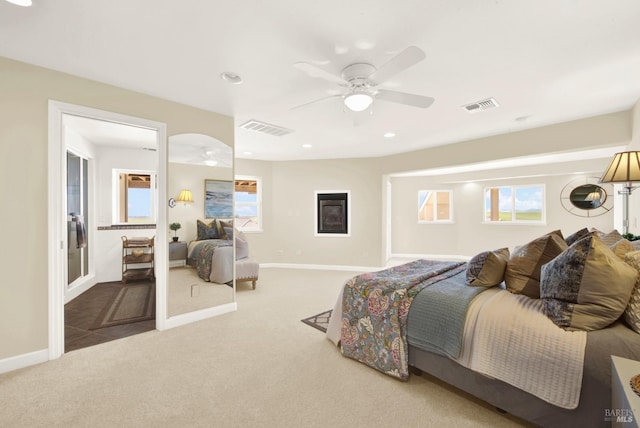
(544, 61)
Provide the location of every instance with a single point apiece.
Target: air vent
(265, 128)
(481, 105)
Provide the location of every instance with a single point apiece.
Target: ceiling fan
(361, 80)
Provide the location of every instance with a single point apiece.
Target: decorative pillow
(586, 287)
(621, 248)
(522, 275)
(226, 225)
(487, 268)
(632, 311)
(208, 231)
(228, 232)
(575, 237)
(608, 238)
(242, 246)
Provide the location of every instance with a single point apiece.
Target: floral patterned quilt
(374, 312)
(201, 257)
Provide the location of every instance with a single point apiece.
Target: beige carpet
(257, 367)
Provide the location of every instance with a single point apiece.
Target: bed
(211, 253)
(487, 328)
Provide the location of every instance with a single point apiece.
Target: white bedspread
(508, 337)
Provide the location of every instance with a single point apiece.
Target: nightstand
(625, 404)
(177, 254)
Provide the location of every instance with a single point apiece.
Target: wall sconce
(624, 168)
(185, 197)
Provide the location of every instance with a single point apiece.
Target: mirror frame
(603, 208)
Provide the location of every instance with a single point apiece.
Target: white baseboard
(320, 267)
(88, 282)
(409, 257)
(395, 259)
(178, 320)
(24, 360)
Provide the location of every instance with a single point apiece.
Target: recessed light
(230, 77)
(389, 134)
(306, 146)
(25, 3)
(247, 153)
(210, 162)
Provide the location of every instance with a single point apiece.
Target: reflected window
(248, 204)
(134, 197)
(434, 206)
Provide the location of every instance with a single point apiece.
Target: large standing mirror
(200, 214)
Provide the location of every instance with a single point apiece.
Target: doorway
(67, 267)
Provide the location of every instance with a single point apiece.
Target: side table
(625, 404)
(177, 254)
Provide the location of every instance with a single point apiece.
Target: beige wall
(288, 205)
(24, 94)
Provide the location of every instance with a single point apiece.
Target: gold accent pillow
(522, 275)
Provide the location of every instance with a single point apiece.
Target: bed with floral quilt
(211, 253)
(531, 331)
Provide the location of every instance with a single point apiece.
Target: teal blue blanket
(437, 315)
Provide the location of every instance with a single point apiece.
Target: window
(248, 197)
(434, 206)
(134, 197)
(514, 204)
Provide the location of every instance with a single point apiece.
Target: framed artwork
(332, 213)
(218, 199)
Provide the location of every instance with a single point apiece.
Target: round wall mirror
(586, 198)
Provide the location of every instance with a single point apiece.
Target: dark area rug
(320, 321)
(133, 303)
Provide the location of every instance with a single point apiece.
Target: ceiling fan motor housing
(358, 74)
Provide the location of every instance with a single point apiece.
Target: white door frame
(56, 219)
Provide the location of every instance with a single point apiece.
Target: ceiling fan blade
(315, 101)
(405, 59)
(404, 98)
(314, 71)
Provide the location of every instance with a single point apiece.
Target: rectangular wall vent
(481, 105)
(265, 128)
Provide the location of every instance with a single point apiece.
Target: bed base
(506, 398)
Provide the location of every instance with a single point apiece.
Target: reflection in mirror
(588, 196)
(200, 252)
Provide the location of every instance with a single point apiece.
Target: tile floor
(81, 313)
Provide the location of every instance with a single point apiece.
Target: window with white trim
(514, 204)
(134, 197)
(435, 206)
(248, 204)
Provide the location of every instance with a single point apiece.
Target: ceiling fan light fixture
(358, 101)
